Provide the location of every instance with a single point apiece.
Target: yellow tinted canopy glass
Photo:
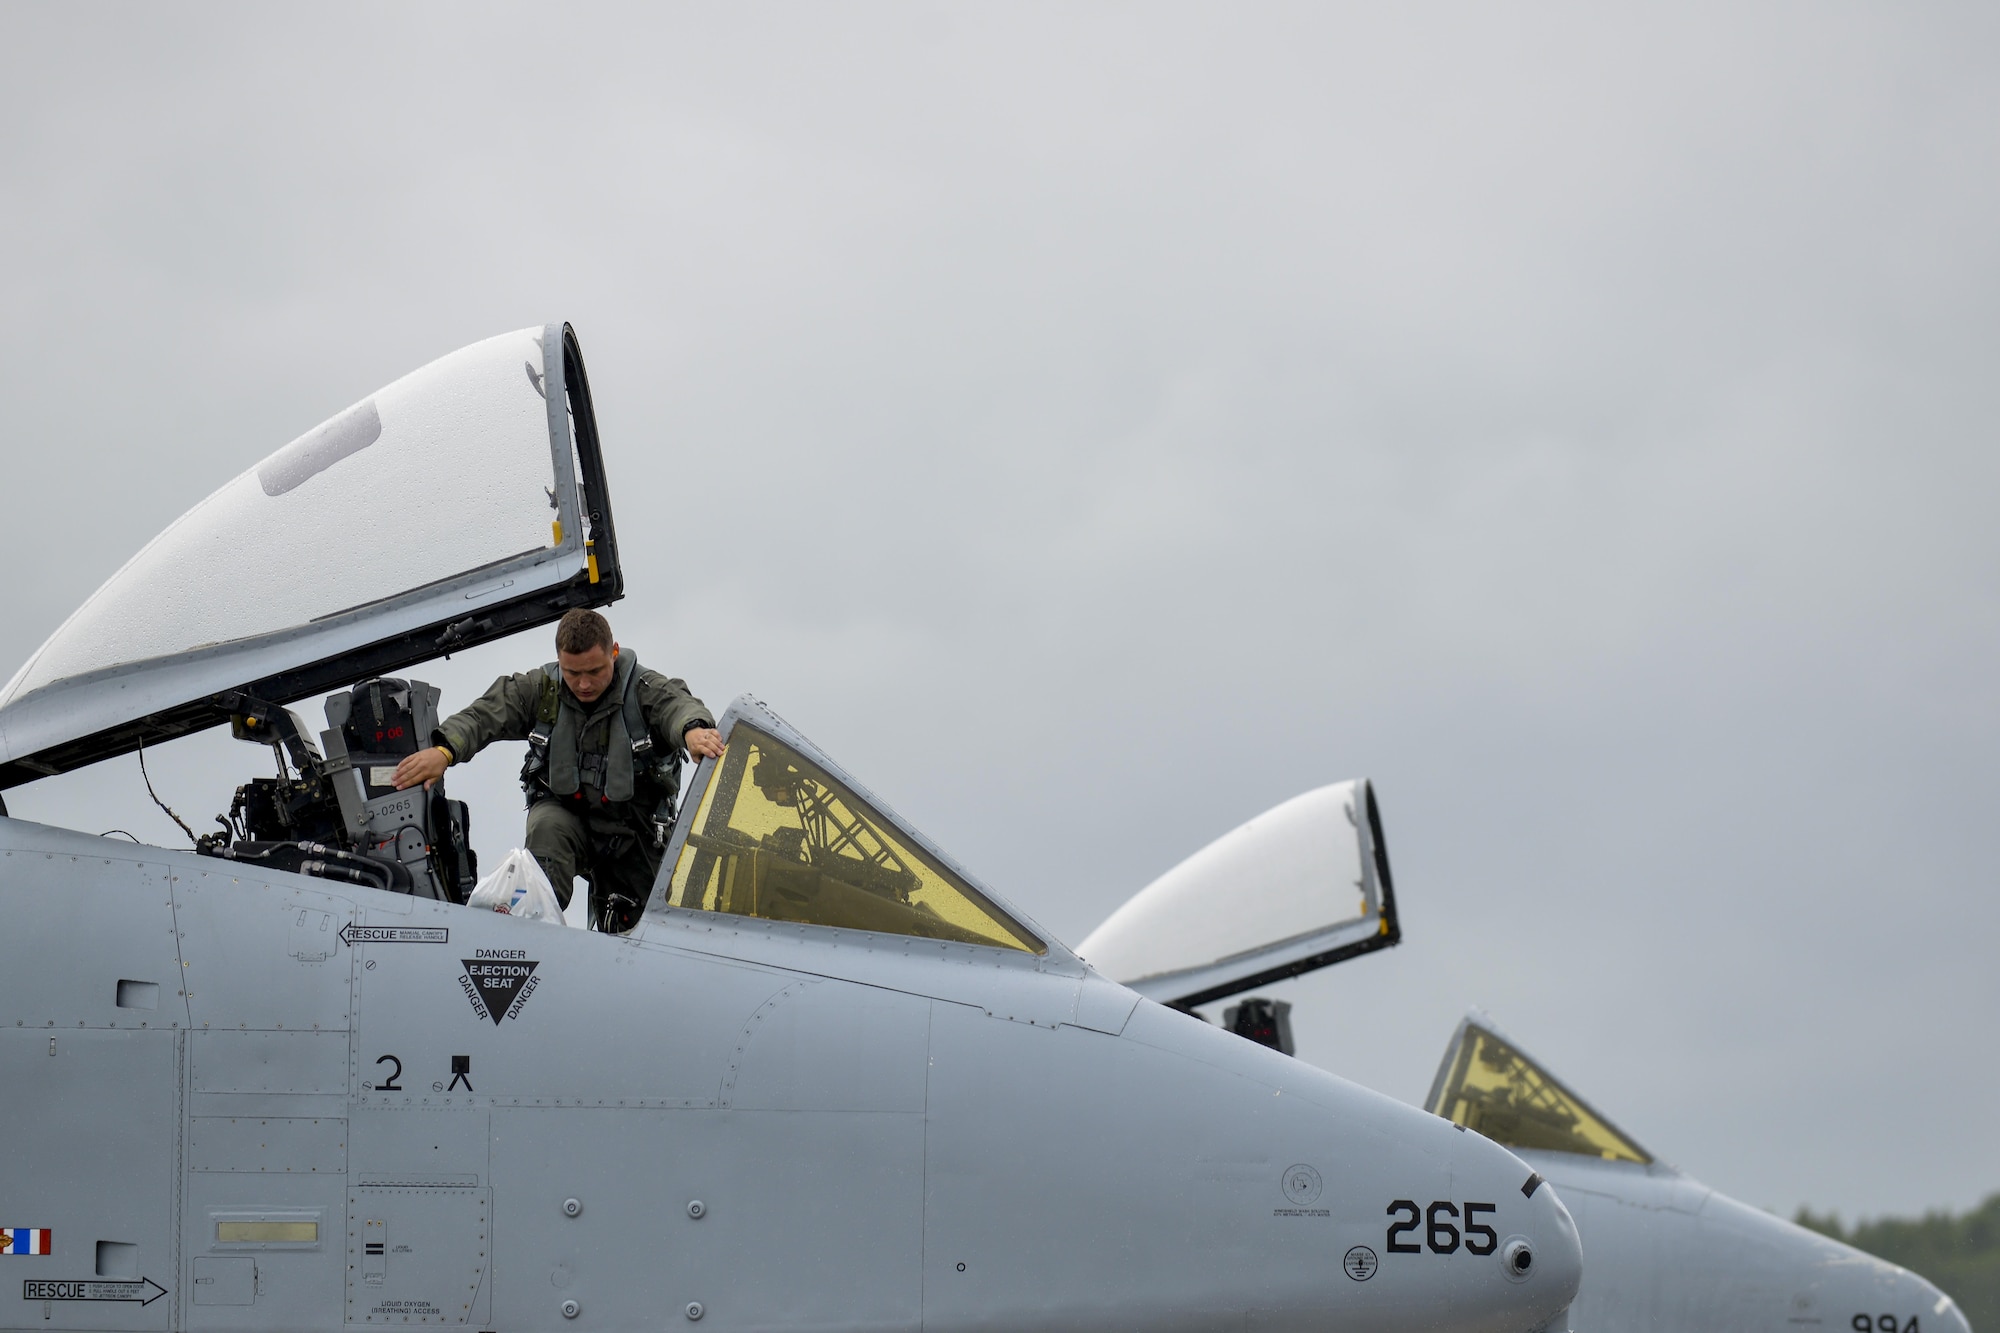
(1492, 1087)
(778, 837)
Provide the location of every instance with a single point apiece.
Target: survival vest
(632, 766)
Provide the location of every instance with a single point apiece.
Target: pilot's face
(588, 674)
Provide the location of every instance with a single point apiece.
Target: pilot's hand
(703, 742)
(425, 766)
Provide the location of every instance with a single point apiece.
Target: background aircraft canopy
(461, 503)
(778, 833)
(1489, 1084)
(1299, 887)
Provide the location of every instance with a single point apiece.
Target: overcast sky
(1096, 424)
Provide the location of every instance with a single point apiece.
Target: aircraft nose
(1555, 1257)
(1944, 1316)
(1873, 1295)
(1510, 1260)
(1900, 1300)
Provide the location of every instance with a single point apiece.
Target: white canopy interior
(431, 499)
(1271, 898)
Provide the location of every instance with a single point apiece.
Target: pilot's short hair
(581, 630)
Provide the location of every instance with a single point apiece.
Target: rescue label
(352, 935)
(143, 1292)
(498, 988)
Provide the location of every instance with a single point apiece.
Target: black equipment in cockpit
(372, 728)
(341, 816)
(1266, 1022)
(295, 806)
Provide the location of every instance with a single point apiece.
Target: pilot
(605, 737)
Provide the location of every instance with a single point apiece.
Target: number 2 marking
(390, 1084)
(1405, 1227)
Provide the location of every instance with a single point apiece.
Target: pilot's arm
(678, 715)
(506, 712)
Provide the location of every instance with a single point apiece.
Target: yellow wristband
(445, 750)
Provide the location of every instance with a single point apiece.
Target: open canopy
(780, 833)
(1490, 1084)
(464, 502)
(1300, 887)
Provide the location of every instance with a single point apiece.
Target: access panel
(416, 1255)
(87, 1179)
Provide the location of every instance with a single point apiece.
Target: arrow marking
(135, 1292)
(352, 935)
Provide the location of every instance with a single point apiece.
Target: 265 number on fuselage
(1439, 1225)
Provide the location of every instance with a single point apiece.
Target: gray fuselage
(292, 1105)
(1667, 1254)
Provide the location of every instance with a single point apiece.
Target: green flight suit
(584, 831)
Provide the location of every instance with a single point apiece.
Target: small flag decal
(24, 1240)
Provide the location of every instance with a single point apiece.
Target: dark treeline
(1960, 1252)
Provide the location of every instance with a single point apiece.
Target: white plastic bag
(519, 888)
